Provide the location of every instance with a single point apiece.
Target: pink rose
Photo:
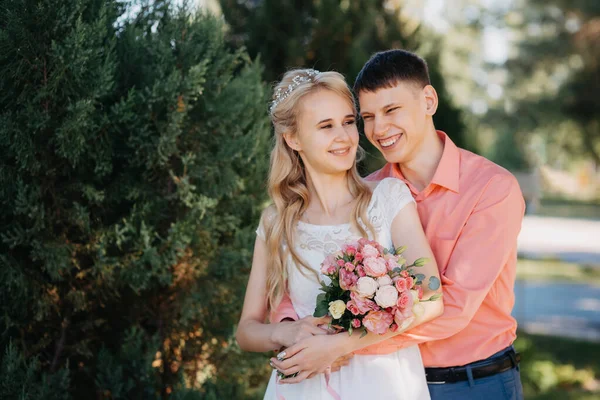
(420, 291)
(378, 321)
(403, 319)
(358, 257)
(410, 282)
(362, 242)
(356, 323)
(351, 306)
(361, 271)
(370, 251)
(340, 262)
(331, 270)
(386, 296)
(375, 267)
(401, 285)
(404, 274)
(405, 301)
(363, 305)
(347, 279)
(350, 249)
(327, 263)
(349, 266)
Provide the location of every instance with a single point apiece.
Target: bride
(319, 203)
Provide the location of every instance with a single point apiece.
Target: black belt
(480, 369)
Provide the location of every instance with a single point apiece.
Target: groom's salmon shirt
(471, 213)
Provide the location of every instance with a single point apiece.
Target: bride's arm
(253, 334)
(309, 357)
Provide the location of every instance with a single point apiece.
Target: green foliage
(335, 35)
(555, 76)
(131, 177)
(23, 379)
(558, 368)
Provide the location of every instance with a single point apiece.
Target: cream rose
(415, 296)
(366, 286)
(386, 296)
(337, 308)
(418, 309)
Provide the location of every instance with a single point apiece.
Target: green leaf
(435, 297)
(365, 331)
(322, 307)
(420, 277)
(350, 330)
(434, 283)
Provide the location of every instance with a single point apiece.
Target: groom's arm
(482, 250)
(284, 311)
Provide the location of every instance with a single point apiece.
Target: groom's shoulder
(479, 172)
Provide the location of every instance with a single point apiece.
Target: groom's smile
(389, 142)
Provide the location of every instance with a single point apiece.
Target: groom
(471, 210)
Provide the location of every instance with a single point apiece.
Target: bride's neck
(328, 192)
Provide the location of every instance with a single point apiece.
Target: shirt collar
(448, 170)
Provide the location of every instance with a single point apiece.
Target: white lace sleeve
(267, 217)
(395, 195)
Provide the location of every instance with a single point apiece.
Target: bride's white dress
(399, 375)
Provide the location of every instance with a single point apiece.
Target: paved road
(552, 308)
(575, 240)
(558, 309)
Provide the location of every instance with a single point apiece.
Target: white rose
(337, 308)
(366, 286)
(386, 296)
(384, 280)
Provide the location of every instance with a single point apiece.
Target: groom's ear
(292, 141)
(431, 100)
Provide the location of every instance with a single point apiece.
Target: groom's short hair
(388, 68)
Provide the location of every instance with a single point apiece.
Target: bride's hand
(308, 357)
(288, 333)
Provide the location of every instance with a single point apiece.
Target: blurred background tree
(132, 160)
(553, 76)
(338, 35)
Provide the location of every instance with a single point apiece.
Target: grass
(557, 207)
(555, 270)
(558, 368)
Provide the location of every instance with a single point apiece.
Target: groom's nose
(380, 127)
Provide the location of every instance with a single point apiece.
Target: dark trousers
(502, 386)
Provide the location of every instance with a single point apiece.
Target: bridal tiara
(281, 94)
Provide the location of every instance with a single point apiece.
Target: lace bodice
(315, 242)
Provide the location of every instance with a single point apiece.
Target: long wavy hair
(287, 181)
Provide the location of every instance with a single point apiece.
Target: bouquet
(372, 289)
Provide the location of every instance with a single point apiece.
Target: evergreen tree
(132, 159)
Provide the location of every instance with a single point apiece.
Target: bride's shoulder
(387, 185)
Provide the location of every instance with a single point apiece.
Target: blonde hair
(287, 182)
